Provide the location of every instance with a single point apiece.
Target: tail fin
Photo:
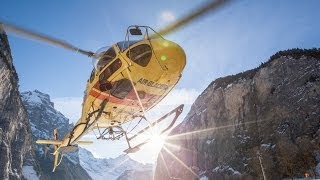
(56, 146)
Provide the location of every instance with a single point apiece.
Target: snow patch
(243, 138)
(204, 178)
(32, 98)
(210, 141)
(73, 157)
(226, 169)
(29, 173)
(229, 86)
(265, 146)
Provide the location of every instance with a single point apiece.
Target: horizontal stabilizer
(84, 142)
(58, 142)
(54, 142)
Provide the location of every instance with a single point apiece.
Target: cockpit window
(92, 75)
(106, 58)
(140, 54)
(123, 45)
(121, 88)
(112, 68)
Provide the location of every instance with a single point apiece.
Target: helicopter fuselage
(131, 78)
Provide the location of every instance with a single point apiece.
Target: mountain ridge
(43, 118)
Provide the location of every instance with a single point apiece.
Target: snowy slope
(29, 173)
(100, 169)
(43, 118)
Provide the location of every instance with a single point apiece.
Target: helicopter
(129, 78)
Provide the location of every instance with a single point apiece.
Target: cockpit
(110, 60)
(140, 54)
(107, 60)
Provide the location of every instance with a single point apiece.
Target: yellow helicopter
(129, 79)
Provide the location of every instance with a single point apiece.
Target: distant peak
(36, 97)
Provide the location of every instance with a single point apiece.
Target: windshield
(140, 54)
(123, 45)
(107, 72)
(105, 56)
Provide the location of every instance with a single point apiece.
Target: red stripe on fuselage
(131, 99)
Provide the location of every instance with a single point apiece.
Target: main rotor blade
(43, 38)
(197, 13)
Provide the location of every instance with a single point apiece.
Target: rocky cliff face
(263, 123)
(15, 136)
(43, 119)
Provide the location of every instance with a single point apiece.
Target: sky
(233, 39)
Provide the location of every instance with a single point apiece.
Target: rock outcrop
(262, 123)
(15, 139)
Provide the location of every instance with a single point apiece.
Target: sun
(156, 142)
(153, 142)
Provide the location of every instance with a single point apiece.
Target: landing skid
(132, 149)
(117, 132)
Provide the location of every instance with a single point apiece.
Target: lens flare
(163, 57)
(165, 44)
(156, 142)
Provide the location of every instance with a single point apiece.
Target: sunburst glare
(156, 142)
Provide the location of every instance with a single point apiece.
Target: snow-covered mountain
(42, 115)
(113, 168)
(44, 118)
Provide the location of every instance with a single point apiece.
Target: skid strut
(177, 111)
